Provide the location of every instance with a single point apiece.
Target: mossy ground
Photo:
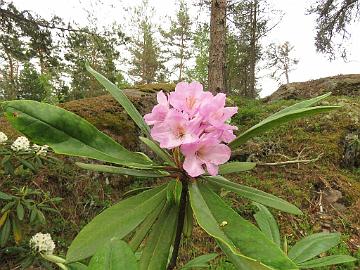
(87, 193)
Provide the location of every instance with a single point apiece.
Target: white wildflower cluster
(40, 150)
(21, 144)
(42, 242)
(3, 137)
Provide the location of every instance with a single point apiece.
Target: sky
(295, 27)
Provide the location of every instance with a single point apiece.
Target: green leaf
(116, 254)
(156, 252)
(274, 121)
(254, 194)
(8, 206)
(188, 221)
(200, 262)
(134, 191)
(233, 167)
(313, 245)
(326, 261)
(239, 262)
(20, 211)
(26, 164)
(76, 266)
(116, 221)
(162, 153)
(144, 227)
(66, 133)
(122, 99)
(122, 170)
(6, 197)
(5, 233)
(240, 236)
(300, 105)
(267, 224)
(174, 191)
(17, 232)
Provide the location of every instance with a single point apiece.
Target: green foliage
(232, 167)
(116, 221)
(178, 39)
(253, 194)
(156, 216)
(234, 232)
(98, 48)
(32, 85)
(116, 254)
(68, 133)
(200, 262)
(23, 162)
(24, 206)
(304, 251)
(267, 224)
(146, 61)
(201, 39)
(296, 111)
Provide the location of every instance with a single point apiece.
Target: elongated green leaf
(200, 262)
(20, 211)
(156, 252)
(233, 167)
(326, 261)
(274, 121)
(162, 153)
(239, 262)
(254, 194)
(144, 227)
(313, 245)
(134, 191)
(116, 254)
(122, 170)
(188, 221)
(66, 133)
(26, 164)
(6, 197)
(116, 221)
(224, 224)
(76, 266)
(122, 99)
(300, 105)
(267, 223)
(5, 232)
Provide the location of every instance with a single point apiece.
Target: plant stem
(180, 224)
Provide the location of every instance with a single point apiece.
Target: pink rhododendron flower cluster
(197, 122)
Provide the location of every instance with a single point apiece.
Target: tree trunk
(13, 92)
(216, 74)
(253, 42)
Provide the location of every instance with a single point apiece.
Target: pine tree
(178, 39)
(145, 51)
(250, 23)
(281, 61)
(333, 20)
(99, 50)
(201, 40)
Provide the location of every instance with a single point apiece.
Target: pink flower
(160, 110)
(214, 111)
(222, 133)
(188, 97)
(197, 122)
(207, 151)
(176, 130)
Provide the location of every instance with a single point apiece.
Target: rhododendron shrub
(191, 133)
